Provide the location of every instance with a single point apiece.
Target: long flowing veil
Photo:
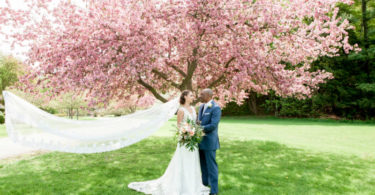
(30, 126)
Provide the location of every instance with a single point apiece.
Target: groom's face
(204, 97)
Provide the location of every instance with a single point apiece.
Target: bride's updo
(183, 96)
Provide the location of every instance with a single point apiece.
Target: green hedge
(2, 118)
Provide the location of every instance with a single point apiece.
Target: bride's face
(189, 98)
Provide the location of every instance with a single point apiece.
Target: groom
(209, 117)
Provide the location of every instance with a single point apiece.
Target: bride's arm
(180, 117)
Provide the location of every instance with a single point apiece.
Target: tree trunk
(365, 38)
(77, 113)
(364, 24)
(132, 109)
(252, 103)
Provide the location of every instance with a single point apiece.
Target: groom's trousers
(210, 174)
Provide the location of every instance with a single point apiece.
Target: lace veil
(30, 126)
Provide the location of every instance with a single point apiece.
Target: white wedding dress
(183, 175)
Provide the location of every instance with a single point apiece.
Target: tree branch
(177, 69)
(171, 65)
(152, 90)
(217, 81)
(186, 83)
(165, 77)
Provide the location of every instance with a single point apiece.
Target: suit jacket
(210, 121)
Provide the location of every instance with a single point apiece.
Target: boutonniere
(209, 105)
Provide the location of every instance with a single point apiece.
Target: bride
(183, 175)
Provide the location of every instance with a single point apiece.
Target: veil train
(30, 126)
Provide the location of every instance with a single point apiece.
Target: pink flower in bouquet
(191, 133)
(188, 128)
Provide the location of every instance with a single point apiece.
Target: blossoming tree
(114, 48)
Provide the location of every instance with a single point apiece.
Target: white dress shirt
(206, 105)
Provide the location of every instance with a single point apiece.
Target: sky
(5, 46)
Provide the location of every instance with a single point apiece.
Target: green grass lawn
(345, 138)
(246, 167)
(257, 156)
(3, 131)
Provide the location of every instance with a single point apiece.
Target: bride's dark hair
(183, 96)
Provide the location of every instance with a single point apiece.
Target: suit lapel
(201, 112)
(208, 109)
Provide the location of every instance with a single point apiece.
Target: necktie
(205, 107)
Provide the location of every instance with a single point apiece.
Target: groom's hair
(183, 95)
(209, 92)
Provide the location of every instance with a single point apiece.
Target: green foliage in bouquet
(189, 134)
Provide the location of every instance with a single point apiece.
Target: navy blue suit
(207, 148)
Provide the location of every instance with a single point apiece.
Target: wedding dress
(182, 176)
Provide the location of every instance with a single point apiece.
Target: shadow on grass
(251, 167)
(258, 167)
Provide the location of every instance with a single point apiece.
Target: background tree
(350, 94)
(117, 48)
(130, 105)
(70, 103)
(10, 71)
(344, 95)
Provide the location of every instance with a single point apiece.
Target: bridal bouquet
(189, 134)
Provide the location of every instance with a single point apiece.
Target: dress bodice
(188, 115)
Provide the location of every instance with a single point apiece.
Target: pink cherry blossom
(114, 49)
